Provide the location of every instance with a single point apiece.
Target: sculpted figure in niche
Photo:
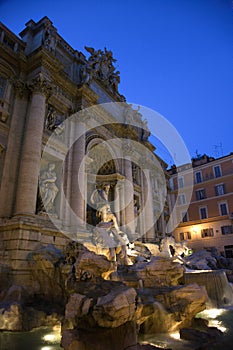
(107, 232)
(49, 38)
(48, 189)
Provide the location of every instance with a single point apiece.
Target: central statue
(107, 233)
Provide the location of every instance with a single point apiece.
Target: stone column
(122, 202)
(31, 151)
(117, 203)
(148, 208)
(9, 175)
(66, 181)
(78, 181)
(129, 198)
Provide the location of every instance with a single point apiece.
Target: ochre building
(208, 222)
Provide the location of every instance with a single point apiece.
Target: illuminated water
(220, 318)
(43, 338)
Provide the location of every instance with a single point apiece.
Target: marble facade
(44, 81)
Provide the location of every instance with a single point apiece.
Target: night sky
(175, 57)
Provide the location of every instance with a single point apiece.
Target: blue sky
(175, 57)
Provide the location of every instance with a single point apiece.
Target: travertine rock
(168, 309)
(204, 340)
(77, 306)
(45, 265)
(16, 317)
(115, 308)
(201, 260)
(11, 318)
(89, 265)
(159, 271)
(100, 338)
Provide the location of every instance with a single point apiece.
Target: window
(203, 213)
(180, 182)
(207, 232)
(181, 236)
(184, 216)
(228, 251)
(217, 171)
(220, 190)
(200, 194)
(171, 184)
(226, 230)
(185, 235)
(2, 86)
(181, 199)
(223, 209)
(198, 177)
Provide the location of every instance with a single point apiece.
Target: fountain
(216, 283)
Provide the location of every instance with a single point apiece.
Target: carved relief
(4, 99)
(136, 173)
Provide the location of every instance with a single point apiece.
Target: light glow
(217, 324)
(211, 313)
(160, 346)
(54, 337)
(175, 335)
(49, 337)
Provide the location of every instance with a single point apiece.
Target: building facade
(49, 165)
(208, 222)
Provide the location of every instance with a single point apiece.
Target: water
(217, 286)
(43, 338)
(220, 318)
(223, 320)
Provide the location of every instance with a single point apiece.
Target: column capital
(41, 84)
(20, 87)
(2, 148)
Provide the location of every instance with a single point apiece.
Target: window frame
(181, 195)
(206, 211)
(207, 232)
(219, 207)
(223, 187)
(227, 227)
(201, 177)
(183, 215)
(180, 178)
(220, 171)
(199, 191)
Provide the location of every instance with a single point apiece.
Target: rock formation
(102, 305)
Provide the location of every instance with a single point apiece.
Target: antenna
(218, 150)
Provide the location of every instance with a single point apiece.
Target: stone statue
(100, 65)
(107, 232)
(48, 189)
(49, 38)
(172, 249)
